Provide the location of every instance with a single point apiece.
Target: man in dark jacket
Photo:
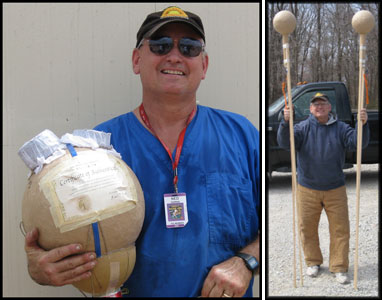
(321, 142)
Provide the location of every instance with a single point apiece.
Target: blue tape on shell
(71, 149)
(97, 245)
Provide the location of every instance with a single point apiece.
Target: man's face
(171, 73)
(320, 109)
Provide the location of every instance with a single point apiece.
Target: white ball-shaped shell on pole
(363, 21)
(284, 22)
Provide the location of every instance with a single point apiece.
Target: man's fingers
(363, 115)
(59, 253)
(230, 277)
(213, 285)
(79, 278)
(59, 266)
(65, 271)
(216, 292)
(31, 239)
(207, 286)
(80, 263)
(73, 275)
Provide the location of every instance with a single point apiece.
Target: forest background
(323, 47)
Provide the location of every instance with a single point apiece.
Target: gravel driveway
(280, 241)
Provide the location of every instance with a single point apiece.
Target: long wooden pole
(359, 150)
(362, 22)
(292, 147)
(293, 158)
(284, 22)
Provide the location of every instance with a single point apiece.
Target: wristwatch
(250, 261)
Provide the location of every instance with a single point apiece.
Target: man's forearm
(253, 249)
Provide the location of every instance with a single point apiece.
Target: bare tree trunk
(318, 56)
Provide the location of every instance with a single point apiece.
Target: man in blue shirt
(208, 157)
(321, 142)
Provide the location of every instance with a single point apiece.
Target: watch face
(252, 262)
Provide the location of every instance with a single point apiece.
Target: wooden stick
(362, 22)
(292, 148)
(284, 22)
(359, 152)
(293, 160)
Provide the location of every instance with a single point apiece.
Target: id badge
(175, 207)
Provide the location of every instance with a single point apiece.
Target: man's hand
(286, 114)
(54, 267)
(230, 278)
(363, 116)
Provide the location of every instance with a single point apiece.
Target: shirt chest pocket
(230, 205)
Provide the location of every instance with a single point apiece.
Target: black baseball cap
(156, 20)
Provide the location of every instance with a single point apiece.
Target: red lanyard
(179, 145)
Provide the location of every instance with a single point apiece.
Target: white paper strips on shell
(38, 150)
(46, 146)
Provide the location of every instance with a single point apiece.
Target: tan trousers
(310, 204)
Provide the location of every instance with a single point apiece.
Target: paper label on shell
(89, 187)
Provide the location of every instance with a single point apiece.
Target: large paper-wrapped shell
(70, 194)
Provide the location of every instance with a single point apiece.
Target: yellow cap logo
(174, 11)
(318, 95)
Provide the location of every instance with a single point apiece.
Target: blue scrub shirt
(219, 172)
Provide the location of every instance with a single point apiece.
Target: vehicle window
(302, 103)
(280, 102)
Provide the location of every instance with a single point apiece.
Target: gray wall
(68, 66)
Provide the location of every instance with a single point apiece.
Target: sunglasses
(320, 104)
(187, 47)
